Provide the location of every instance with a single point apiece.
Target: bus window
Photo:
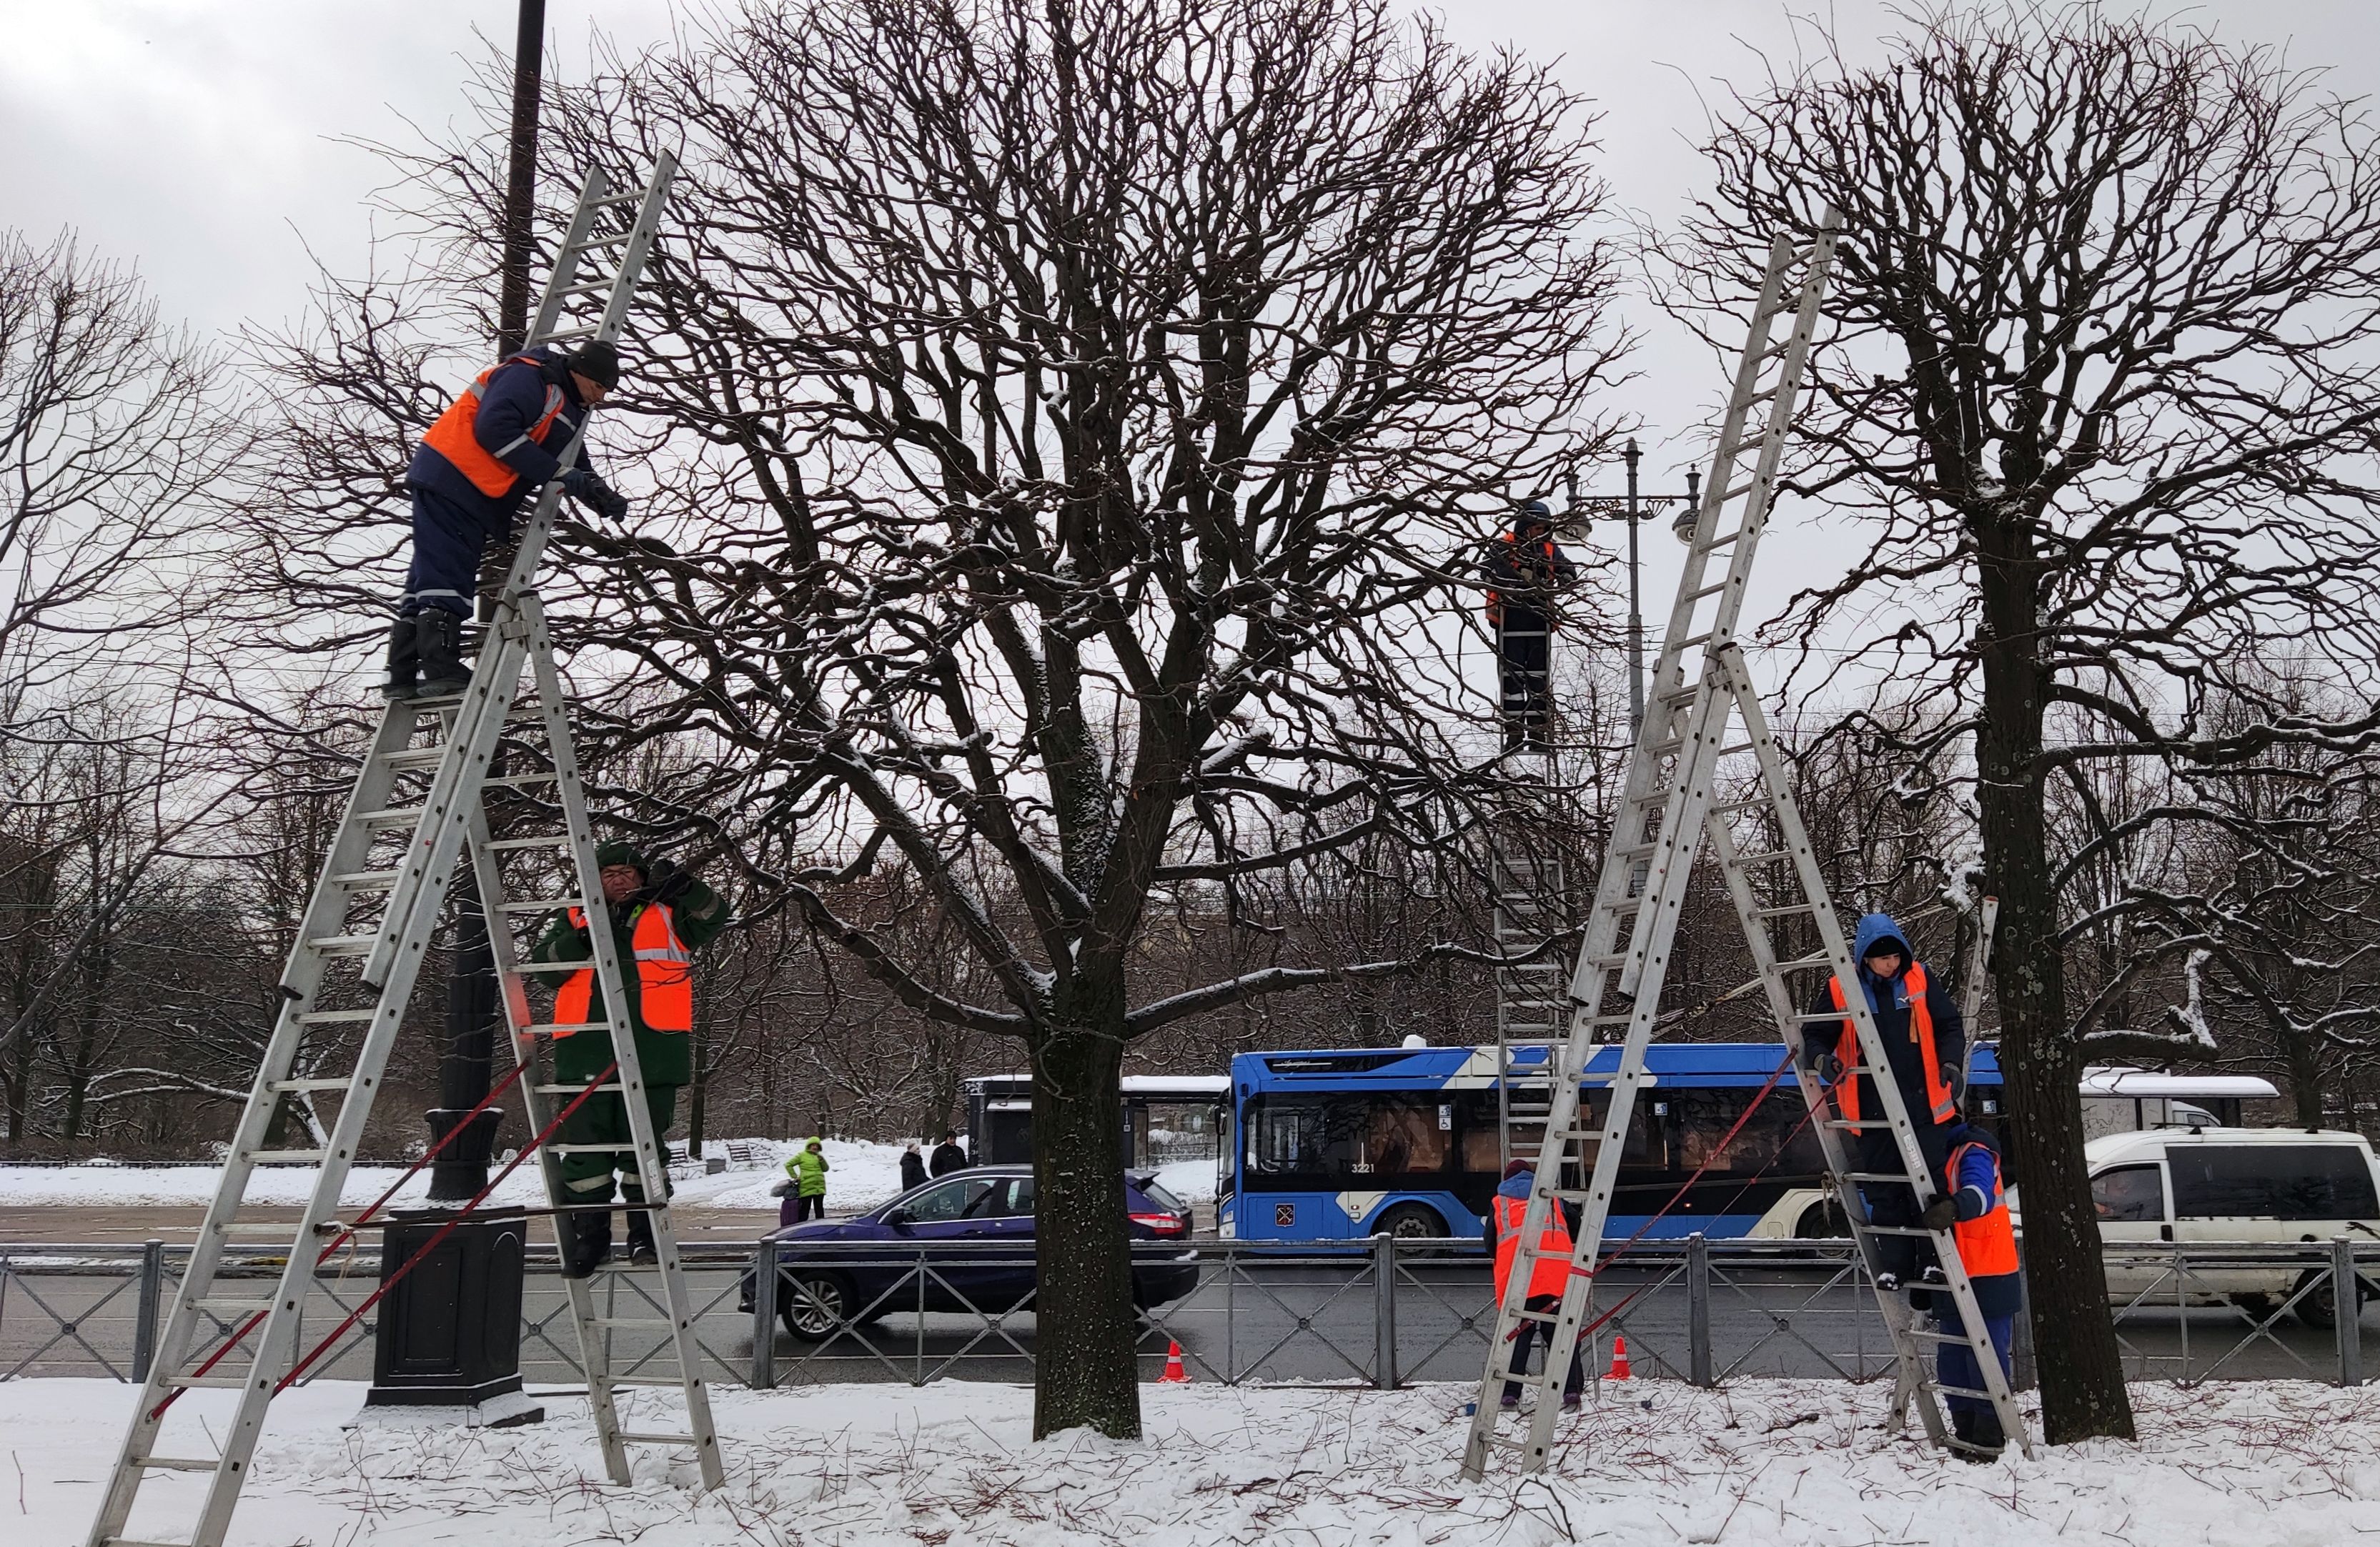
(1356, 1134)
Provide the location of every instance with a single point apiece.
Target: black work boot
(1984, 1434)
(438, 643)
(640, 1237)
(403, 657)
(586, 1241)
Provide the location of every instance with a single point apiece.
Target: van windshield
(2271, 1181)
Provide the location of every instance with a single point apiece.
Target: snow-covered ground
(860, 1174)
(2271, 1464)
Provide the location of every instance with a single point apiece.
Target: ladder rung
(560, 334)
(1809, 1016)
(551, 840)
(645, 1382)
(567, 1028)
(592, 1149)
(136, 1541)
(1960, 1390)
(1911, 1231)
(414, 756)
(206, 1383)
(344, 945)
(1708, 591)
(516, 781)
(214, 1307)
(357, 879)
(1770, 857)
(646, 1322)
(573, 1090)
(1787, 912)
(395, 815)
(1901, 1177)
(661, 1439)
(326, 1017)
(287, 1087)
(542, 905)
(284, 1157)
(173, 1464)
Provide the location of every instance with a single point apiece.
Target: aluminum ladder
(1687, 782)
(418, 804)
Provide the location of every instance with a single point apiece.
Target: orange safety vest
(1921, 1032)
(664, 976)
(452, 438)
(1552, 1270)
(1495, 601)
(1987, 1242)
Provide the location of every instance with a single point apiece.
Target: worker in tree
(658, 916)
(1525, 571)
(1975, 1210)
(1501, 1232)
(1925, 1046)
(498, 443)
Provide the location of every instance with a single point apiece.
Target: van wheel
(2320, 1306)
(1823, 1222)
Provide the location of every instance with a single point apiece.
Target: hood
(1967, 1133)
(1875, 927)
(1517, 1186)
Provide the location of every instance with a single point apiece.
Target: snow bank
(860, 1173)
(2272, 1464)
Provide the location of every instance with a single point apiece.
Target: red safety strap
(239, 1333)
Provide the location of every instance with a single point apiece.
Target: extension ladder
(1687, 784)
(1532, 997)
(419, 805)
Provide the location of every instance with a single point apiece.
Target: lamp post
(1634, 506)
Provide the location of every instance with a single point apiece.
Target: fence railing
(1381, 1312)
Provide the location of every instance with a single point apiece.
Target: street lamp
(1635, 506)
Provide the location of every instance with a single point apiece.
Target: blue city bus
(1347, 1143)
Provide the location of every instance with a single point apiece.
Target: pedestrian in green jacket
(808, 1167)
(659, 915)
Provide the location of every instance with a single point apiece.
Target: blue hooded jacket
(1888, 1000)
(1972, 1194)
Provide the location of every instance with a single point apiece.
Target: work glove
(1829, 1067)
(1956, 1082)
(666, 882)
(1940, 1214)
(595, 494)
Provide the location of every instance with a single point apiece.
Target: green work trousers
(604, 1119)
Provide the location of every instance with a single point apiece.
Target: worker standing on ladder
(660, 916)
(1500, 1230)
(1973, 1208)
(1525, 570)
(1925, 1044)
(498, 442)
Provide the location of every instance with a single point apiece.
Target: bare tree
(2099, 394)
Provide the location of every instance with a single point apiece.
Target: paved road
(177, 1224)
(1266, 1322)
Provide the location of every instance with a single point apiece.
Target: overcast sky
(202, 138)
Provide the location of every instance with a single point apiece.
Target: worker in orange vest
(1924, 1046)
(658, 916)
(1973, 1208)
(496, 443)
(1500, 1231)
(1525, 570)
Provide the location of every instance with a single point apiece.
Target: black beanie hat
(597, 361)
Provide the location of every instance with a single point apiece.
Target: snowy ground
(2285, 1464)
(860, 1174)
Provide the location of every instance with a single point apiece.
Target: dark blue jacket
(1976, 1185)
(510, 404)
(1888, 1000)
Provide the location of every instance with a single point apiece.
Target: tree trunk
(2081, 1371)
(1086, 1374)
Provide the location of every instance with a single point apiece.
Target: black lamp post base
(449, 1331)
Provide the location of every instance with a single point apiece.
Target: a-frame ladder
(1704, 769)
(416, 807)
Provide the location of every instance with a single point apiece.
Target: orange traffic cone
(1174, 1375)
(1619, 1371)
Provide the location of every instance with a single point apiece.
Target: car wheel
(814, 1304)
(1823, 1222)
(1410, 1222)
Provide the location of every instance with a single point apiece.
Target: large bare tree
(2101, 401)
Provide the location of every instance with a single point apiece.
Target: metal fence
(1379, 1313)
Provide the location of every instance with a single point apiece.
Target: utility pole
(1633, 507)
(461, 1169)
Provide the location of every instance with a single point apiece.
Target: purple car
(974, 1230)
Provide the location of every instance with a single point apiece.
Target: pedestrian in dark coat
(948, 1156)
(913, 1169)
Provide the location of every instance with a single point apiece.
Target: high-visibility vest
(452, 437)
(1551, 1272)
(1987, 1242)
(664, 976)
(1495, 598)
(1921, 1032)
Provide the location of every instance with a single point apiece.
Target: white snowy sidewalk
(2287, 1464)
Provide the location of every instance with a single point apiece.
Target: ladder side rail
(651, 1161)
(569, 255)
(301, 980)
(1921, 1181)
(638, 247)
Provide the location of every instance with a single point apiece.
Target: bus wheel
(1823, 1222)
(1410, 1222)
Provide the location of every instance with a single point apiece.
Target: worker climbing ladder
(1705, 770)
(417, 812)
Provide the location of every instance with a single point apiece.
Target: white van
(2230, 1184)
